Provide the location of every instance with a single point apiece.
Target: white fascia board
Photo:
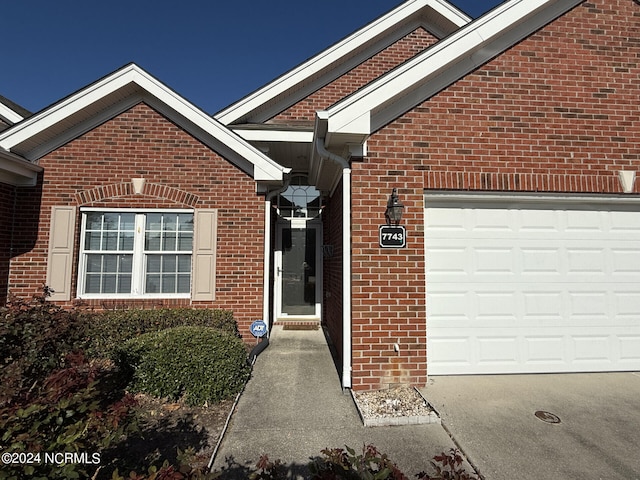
(292, 136)
(468, 48)
(9, 115)
(333, 54)
(58, 112)
(264, 167)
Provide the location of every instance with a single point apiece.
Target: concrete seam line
(459, 447)
(224, 429)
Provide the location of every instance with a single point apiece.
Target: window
(136, 254)
(299, 200)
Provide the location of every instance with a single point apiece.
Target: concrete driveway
(492, 418)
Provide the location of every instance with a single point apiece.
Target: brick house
(512, 140)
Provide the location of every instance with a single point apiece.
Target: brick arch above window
(125, 189)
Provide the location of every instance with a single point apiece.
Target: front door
(298, 263)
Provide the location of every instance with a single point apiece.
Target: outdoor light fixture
(394, 210)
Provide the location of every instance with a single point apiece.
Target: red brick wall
(394, 55)
(96, 169)
(333, 286)
(556, 113)
(6, 224)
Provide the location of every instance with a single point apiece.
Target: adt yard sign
(258, 328)
(393, 236)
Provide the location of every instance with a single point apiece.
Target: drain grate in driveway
(547, 417)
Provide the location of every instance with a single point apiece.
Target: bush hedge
(35, 338)
(107, 330)
(201, 364)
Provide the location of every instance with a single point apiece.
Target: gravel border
(401, 405)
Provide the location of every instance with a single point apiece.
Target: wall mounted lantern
(394, 210)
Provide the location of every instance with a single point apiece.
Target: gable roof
(56, 125)
(437, 16)
(354, 118)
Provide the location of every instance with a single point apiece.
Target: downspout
(266, 300)
(346, 258)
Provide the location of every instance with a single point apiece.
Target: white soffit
(269, 135)
(444, 63)
(294, 80)
(85, 109)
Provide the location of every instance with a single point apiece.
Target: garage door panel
(629, 347)
(593, 349)
(532, 288)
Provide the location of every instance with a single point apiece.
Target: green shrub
(200, 363)
(75, 409)
(109, 329)
(35, 338)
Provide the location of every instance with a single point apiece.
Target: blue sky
(211, 52)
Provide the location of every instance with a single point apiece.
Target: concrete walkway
(294, 407)
(493, 419)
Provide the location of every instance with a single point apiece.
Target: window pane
(94, 263)
(126, 241)
(185, 241)
(168, 283)
(184, 284)
(126, 263)
(184, 263)
(108, 284)
(154, 222)
(94, 221)
(186, 222)
(168, 263)
(168, 241)
(92, 284)
(110, 241)
(153, 263)
(124, 284)
(92, 241)
(152, 284)
(111, 221)
(170, 222)
(152, 241)
(128, 221)
(110, 263)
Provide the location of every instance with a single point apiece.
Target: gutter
(346, 257)
(18, 171)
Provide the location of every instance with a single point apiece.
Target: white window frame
(139, 265)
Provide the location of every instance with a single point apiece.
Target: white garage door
(526, 285)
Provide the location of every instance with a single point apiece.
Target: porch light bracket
(393, 213)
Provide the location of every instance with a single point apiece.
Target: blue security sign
(258, 328)
(393, 236)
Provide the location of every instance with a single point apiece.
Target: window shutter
(60, 257)
(204, 255)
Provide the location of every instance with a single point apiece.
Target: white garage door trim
(532, 283)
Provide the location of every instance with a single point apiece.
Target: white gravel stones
(401, 405)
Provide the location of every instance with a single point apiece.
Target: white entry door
(298, 264)
(516, 286)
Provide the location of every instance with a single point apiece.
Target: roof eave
(291, 80)
(441, 65)
(147, 88)
(17, 171)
